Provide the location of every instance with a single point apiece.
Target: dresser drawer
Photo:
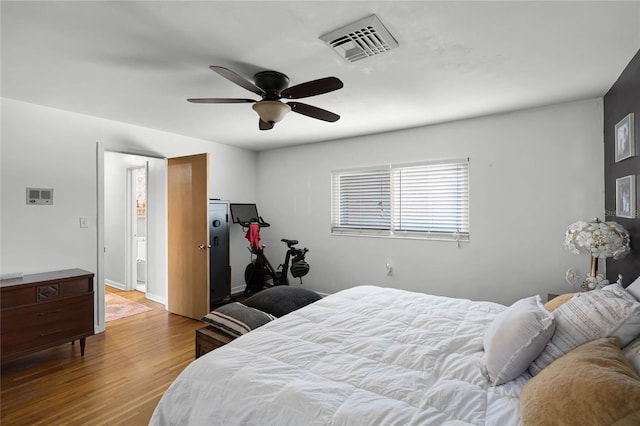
(44, 323)
(20, 295)
(36, 293)
(76, 287)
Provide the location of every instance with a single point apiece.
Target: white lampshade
(271, 111)
(599, 239)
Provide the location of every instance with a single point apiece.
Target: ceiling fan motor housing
(272, 82)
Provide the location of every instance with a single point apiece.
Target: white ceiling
(137, 62)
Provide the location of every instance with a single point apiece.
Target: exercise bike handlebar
(261, 223)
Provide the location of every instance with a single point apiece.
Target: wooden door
(188, 235)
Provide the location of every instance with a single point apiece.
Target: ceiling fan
(272, 86)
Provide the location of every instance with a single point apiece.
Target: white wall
(115, 235)
(45, 147)
(532, 173)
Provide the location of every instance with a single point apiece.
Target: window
(418, 200)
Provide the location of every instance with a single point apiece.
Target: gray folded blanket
(237, 319)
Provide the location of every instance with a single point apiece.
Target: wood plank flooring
(120, 379)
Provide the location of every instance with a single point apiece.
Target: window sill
(433, 236)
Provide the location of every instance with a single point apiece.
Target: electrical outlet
(84, 222)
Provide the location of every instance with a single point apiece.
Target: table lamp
(600, 240)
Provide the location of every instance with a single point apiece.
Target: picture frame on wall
(625, 145)
(626, 197)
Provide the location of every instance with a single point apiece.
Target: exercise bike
(259, 271)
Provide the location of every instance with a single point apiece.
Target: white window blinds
(364, 199)
(418, 200)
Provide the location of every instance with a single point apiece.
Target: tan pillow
(594, 384)
(557, 301)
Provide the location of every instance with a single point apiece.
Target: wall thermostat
(39, 195)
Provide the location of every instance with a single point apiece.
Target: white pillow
(619, 291)
(516, 337)
(632, 352)
(590, 316)
(630, 328)
(634, 288)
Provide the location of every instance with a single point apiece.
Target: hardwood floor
(120, 379)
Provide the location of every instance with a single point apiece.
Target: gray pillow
(632, 352)
(280, 300)
(634, 288)
(516, 337)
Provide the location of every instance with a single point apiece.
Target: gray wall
(623, 98)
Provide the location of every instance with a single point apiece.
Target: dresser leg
(83, 341)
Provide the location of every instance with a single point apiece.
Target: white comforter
(363, 356)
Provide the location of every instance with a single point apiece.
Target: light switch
(84, 222)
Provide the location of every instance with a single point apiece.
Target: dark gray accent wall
(623, 98)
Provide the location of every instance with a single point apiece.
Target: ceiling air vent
(361, 39)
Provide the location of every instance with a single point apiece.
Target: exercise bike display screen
(244, 213)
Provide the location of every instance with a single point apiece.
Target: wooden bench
(209, 338)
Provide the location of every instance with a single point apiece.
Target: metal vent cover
(361, 39)
(40, 196)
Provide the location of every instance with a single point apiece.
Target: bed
(381, 356)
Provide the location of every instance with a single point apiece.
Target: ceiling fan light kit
(271, 111)
(272, 86)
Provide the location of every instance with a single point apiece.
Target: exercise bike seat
(289, 243)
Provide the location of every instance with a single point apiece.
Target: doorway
(156, 237)
(132, 220)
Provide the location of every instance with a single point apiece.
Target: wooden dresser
(39, 311)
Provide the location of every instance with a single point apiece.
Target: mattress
(363, 356)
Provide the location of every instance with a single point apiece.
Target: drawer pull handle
(46, 292)
(55, 311)
(50, 333)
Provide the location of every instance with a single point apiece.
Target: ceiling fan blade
(238, 79)
(220, 101)
(264, 125)
(312, 88)
(313, 112)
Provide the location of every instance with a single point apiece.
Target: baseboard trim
(237, 289)
(157, 299)
(115, 284)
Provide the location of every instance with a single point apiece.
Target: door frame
(99, 283)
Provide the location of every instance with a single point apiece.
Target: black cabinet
(219, 269)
